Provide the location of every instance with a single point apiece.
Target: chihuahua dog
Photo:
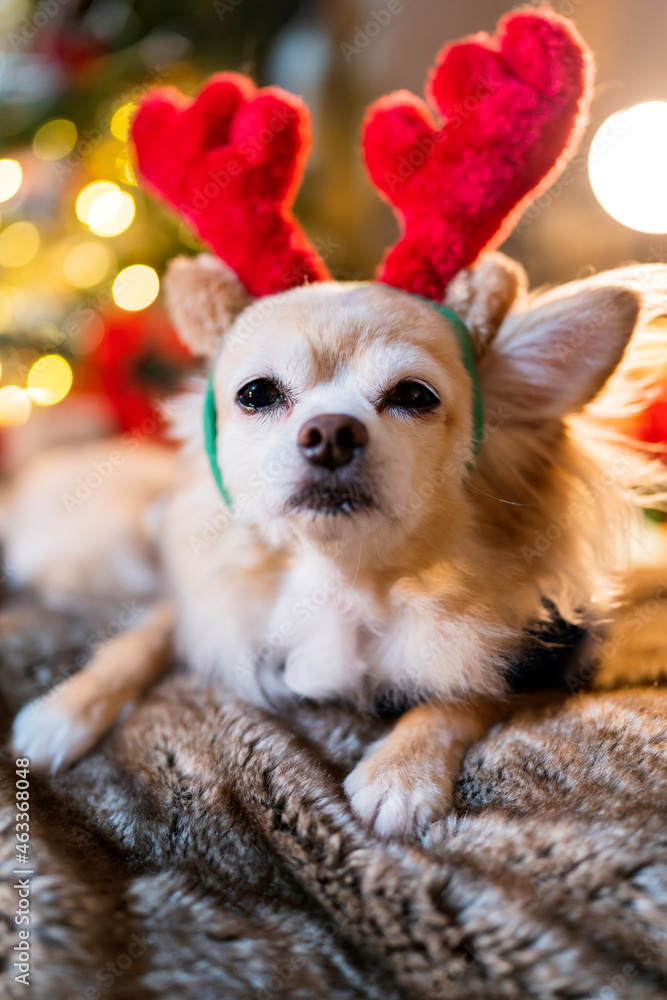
(380, 497)
(368, 552)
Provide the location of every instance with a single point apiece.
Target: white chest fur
(246, 614)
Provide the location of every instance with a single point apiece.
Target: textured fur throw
(209, 852)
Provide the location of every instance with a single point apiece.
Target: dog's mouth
(332, 499)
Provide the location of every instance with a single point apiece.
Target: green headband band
(467, 356)
(211, 439)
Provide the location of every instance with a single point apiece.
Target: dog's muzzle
(328, 494)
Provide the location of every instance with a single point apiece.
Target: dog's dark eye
(259, 394)
(410, 396)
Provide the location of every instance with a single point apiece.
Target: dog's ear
(553, 354)
(204, 297)
(482, 295)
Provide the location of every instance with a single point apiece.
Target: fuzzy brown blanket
(207, 852)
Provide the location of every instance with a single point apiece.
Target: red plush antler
(513, 109)
(231, 162)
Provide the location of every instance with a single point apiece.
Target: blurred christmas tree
(81, 247)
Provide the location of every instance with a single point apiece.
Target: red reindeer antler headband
(231, 162)
(512, 110)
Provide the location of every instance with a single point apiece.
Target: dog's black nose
(332, 439)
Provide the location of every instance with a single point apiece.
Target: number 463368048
(22, 807)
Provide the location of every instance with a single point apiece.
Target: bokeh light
(54, 139)
(87, 264)
(11, 176)
(18, 244)
(136, 287)
(15, 405)
(88, 195)
(49, 380)
(104, 208)
(121, 121)
(111, 213)
(627, 166)
(124, 170)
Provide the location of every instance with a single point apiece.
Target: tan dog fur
(429, 588)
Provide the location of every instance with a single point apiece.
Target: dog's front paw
(397, 797)
(52, 732)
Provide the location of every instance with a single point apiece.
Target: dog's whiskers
(241, 512)
(356, 572)
(512, 503)
(249, 443)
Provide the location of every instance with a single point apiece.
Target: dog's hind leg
(54, 731)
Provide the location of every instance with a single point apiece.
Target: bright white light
(15, 405)
(89, 195)
(11, 176)
(111, 213)
(105, 209)
(136, 287)
(627, 166)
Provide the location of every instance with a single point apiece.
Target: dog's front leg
(406, 779)
(57, 729)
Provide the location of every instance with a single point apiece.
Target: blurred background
(83, 353)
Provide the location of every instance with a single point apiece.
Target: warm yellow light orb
(89, 194)
(49, 380)
(54, 139)
(627, 166)
(18, 244)
(11, 176)
(104, 208)
(86, 265)
(111, 213)
(121, 121)
(136, 287)
(15, 405)
(124, 170)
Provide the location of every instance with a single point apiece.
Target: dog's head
(345, 410)
(336, 402)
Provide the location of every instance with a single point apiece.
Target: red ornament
(138, 363)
